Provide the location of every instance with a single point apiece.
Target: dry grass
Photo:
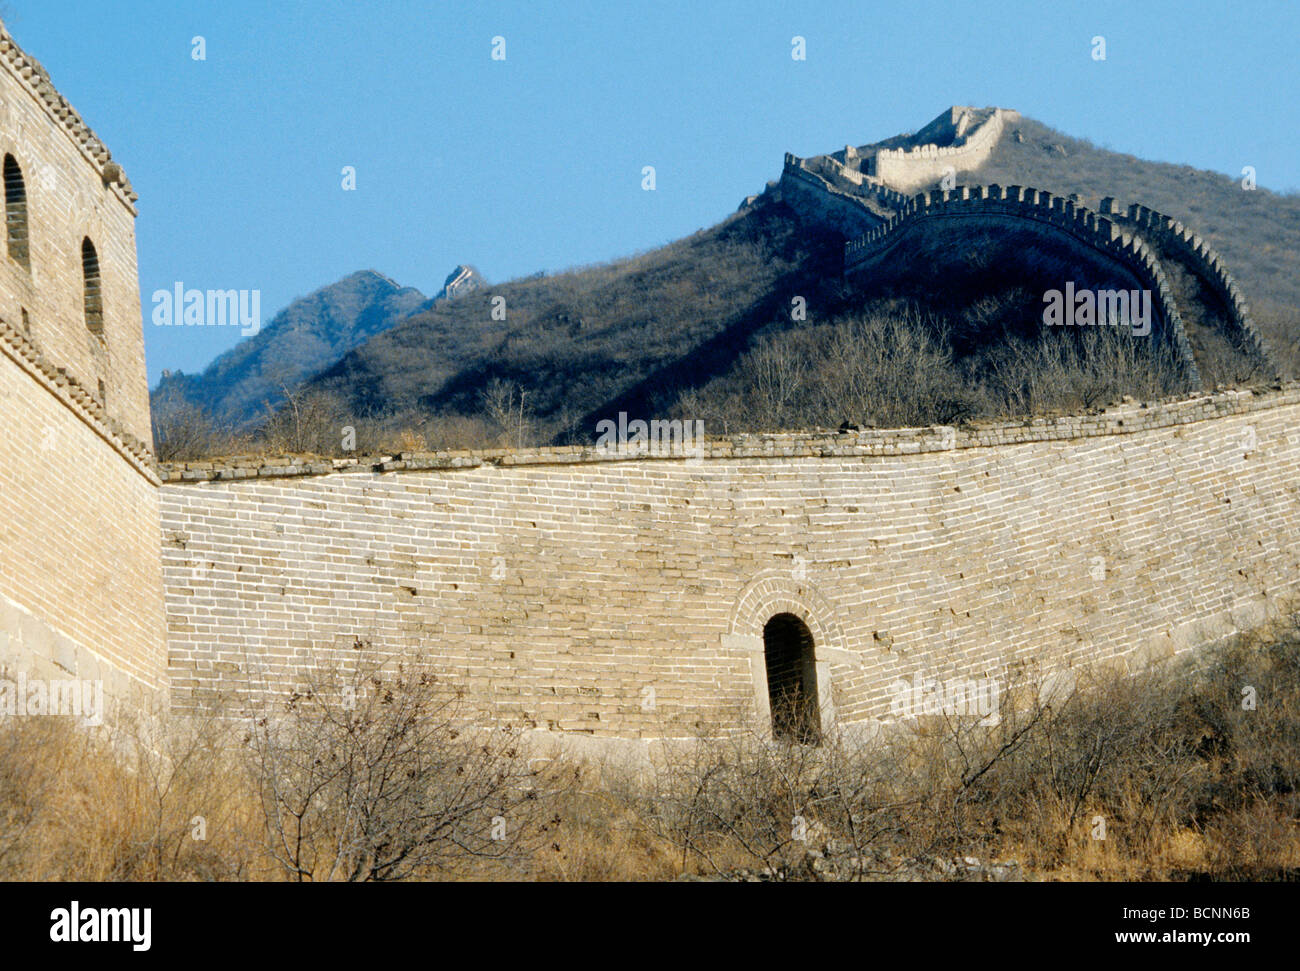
(1190, 783)
(125, 804)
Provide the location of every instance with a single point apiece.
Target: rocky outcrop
(306, 337)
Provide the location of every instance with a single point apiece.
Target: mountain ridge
(305, 337)
(1026, 153)
(655, 331)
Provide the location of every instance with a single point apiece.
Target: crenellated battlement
(556, 586)
(1182, 239)
(1053, 213)
(839, 176)
(856, 191)
(868, 194)
(845, 207)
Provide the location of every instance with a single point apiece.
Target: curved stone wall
(1171, 232)
(596, 595)
(839, 176)
(1054, 214)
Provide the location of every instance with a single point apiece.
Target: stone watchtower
(80, 577)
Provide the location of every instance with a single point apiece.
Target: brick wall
(812, 194)
(80, 584)
(1208, 265)
(558, 585)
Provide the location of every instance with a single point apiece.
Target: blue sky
(535, 162)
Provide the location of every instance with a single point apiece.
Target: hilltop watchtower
(80, 582)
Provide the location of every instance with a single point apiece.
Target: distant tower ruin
(462, 280)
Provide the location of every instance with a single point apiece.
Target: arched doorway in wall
(792, 679)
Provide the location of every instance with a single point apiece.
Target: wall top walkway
(1126, 418)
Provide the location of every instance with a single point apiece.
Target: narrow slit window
(93, 287)
(16, 214)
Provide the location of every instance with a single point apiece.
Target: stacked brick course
(563, 587)
(613, 596)
(910, 169)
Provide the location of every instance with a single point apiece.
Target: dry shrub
(369, 774)
(898, 368)
(304, 422)
(597, 836)
(1147, 776)
(185, 431)
(374, 772)
(885, 369)
(1069, 370)
(1113, 752)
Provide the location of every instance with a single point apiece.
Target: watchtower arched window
(791, 679)
(94, 296)
(16, 213)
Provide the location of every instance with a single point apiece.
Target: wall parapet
(854, 214)
(561, 597)
(15, 345)
(34, 78)
(1126, 418)
(832, 174)
(909, 168)
(1044, 209)
(981, 138)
